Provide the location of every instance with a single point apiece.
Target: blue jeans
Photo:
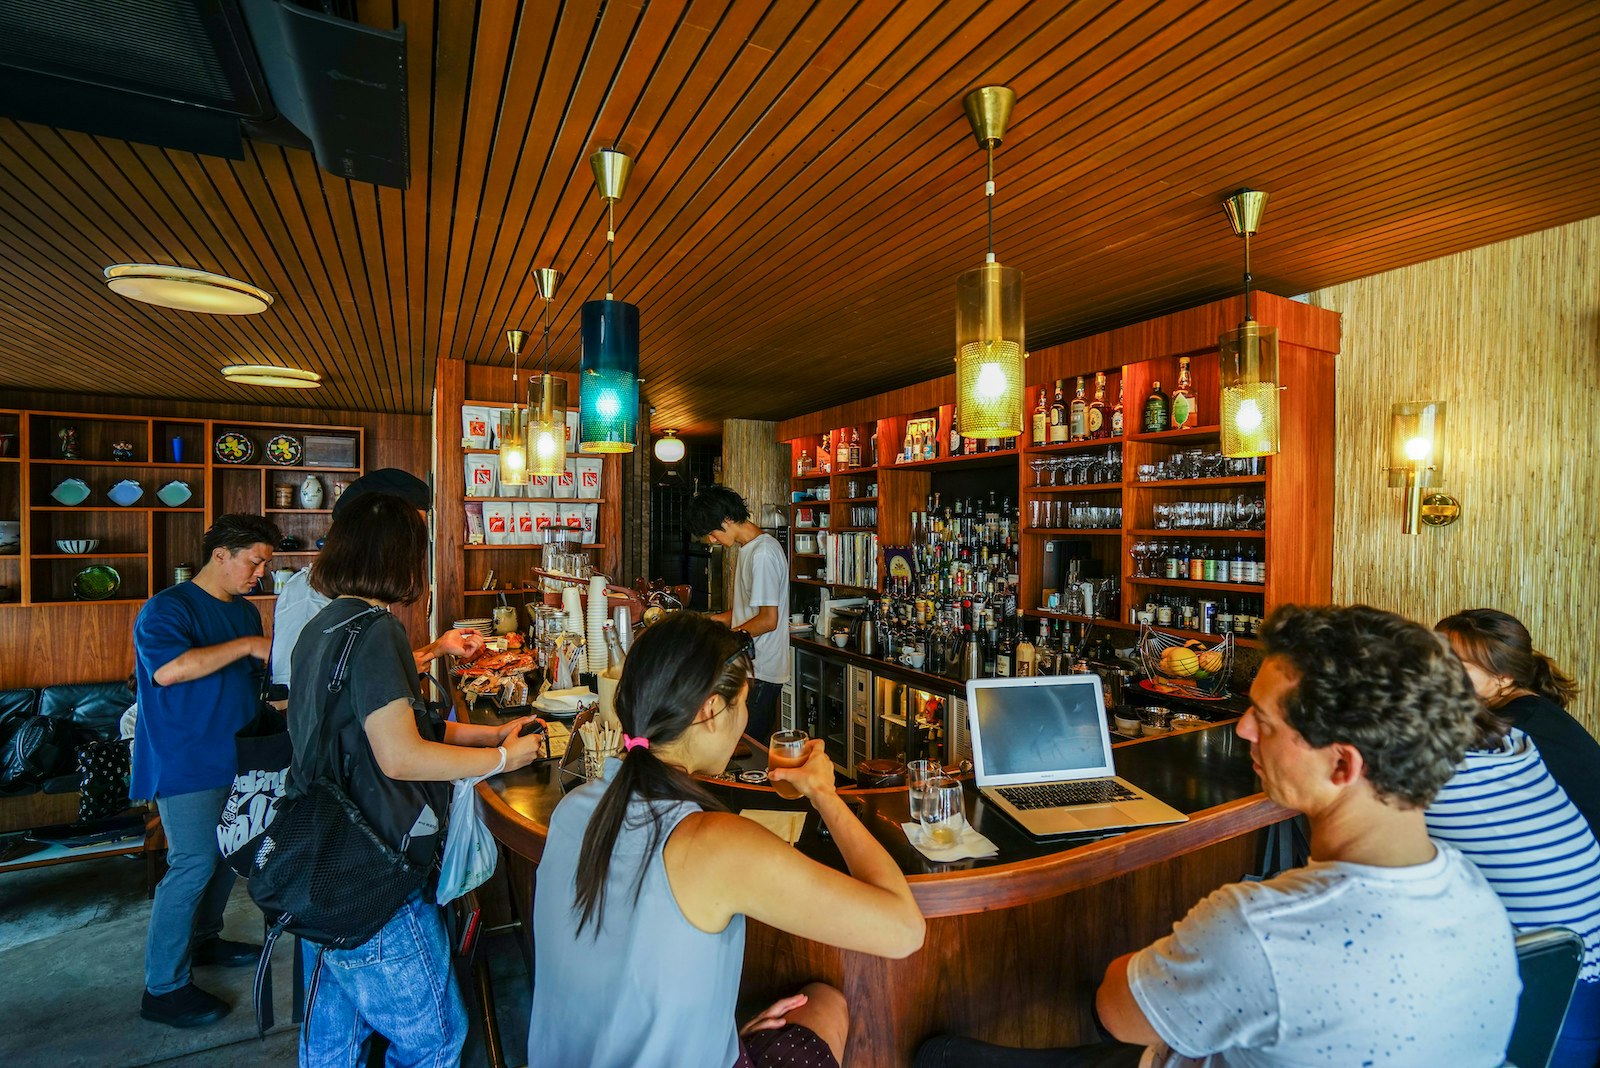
(1578, 1045)
(397, 984)
(192, 895)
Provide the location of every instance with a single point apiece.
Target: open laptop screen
(1038, 729)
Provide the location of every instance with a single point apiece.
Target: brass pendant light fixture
(513, 421)
(547, 397)
(1249, 370)
(608, 385)
(989, 335)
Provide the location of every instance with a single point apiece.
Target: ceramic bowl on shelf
(71, 491)
(125, 493)
(174, 494)
(96, 583)
(77, 546)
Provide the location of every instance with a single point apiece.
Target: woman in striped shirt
(1504, 811)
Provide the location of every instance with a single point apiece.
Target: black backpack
(322, 872)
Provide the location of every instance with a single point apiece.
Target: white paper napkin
(970, 845)
(785, 824)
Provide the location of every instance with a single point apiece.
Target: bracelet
(498, 768)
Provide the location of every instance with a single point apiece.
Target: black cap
(390, 480)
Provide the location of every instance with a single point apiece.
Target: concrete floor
(71, 965)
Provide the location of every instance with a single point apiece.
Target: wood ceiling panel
(806, 187)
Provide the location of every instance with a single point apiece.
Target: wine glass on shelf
(1241, 513)
(1038, 464)
(1259, 510)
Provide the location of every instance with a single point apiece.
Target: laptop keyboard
(1059, 794)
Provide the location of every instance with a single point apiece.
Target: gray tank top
(649, 989)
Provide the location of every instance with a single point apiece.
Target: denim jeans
(397, 984)
(192, 895)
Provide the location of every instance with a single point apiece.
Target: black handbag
(41, 748)
(104, 767)
(264, 752)
(321, 871)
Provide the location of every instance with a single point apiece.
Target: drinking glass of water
(918, 775)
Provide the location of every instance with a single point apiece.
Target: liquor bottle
(1155, 410)
(1197, 564)
(1023, 659)
(1211, 563)
(1003, 657)
(1041, 419)
(1225, 617)
(1078, 415)
(955, 432)
(1173, 561)
(855, 447)
(1261, 567)
(1058, 416)
(906, 454)
(1099, 426)
(1236, 567)
(803, 464)
(1185, 414)
(1116, 413)
(1253, 570)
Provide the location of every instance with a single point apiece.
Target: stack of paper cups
(597, 623)
(572, 605)
(621, 622)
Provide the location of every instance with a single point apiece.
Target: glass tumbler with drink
(918, 774)
(787, 749)
(943, 815)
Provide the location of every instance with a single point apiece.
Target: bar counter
(1016, 943)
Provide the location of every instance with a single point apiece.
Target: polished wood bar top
(1206, 774)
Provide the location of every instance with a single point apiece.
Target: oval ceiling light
(263, 374)
(186, 289)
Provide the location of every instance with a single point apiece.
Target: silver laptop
(1041, 752)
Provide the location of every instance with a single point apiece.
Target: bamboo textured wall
(1509, 336)
(755, 466)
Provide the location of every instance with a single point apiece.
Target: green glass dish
(96, 583)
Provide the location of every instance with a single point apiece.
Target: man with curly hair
(1388, 948)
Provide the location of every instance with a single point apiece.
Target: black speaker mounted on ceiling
(202, 75)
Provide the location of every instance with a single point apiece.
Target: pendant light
(608, 386)
(513, 422)
(547, 397)
(1249, 373)
(669, 447)
(989, 341)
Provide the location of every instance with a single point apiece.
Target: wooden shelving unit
(1296, 486)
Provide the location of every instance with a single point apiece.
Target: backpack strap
(323, 760)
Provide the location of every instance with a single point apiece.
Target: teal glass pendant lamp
(608, 387)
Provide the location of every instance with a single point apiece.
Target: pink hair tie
(635, 743)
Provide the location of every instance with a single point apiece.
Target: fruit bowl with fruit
(1185, 667)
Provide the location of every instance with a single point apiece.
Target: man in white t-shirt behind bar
(1388, 948)
(719, 516)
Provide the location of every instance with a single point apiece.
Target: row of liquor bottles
(1054, 422)
(989, 648)
(1087, 419)
(1200, 562)
(1240, 616)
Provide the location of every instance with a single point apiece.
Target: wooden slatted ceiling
(806, 187)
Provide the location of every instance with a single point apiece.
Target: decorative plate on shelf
(96, 583)
(71, 491)
(174, 494)
(233, 447)
(284, 450)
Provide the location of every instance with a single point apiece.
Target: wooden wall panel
(1506, 335)
(755, 466)
(50, 644)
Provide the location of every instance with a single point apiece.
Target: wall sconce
(1416, 462)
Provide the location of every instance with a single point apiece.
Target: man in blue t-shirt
(196, 651)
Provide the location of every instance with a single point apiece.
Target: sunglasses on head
(747, 648)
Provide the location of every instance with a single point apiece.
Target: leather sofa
(94, 711)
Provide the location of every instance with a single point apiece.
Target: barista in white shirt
(719, 516)
(299, 602)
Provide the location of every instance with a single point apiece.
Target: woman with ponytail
(1524, 689)
(638, 916)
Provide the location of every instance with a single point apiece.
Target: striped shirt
(1504, 811)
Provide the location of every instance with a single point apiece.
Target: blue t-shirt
(183, 740)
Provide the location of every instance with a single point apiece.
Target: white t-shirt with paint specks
(1336, 964)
